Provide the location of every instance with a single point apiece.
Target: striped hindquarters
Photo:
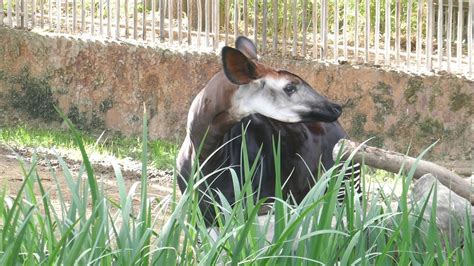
(351, 178)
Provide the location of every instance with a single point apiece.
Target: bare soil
(13, 161)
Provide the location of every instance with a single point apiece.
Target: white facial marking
(270, 100)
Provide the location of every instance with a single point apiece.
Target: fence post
(9, 13)
(344, 29)
(1, 13)
(418, 35)
(324, 29)
(227, 23)
(429, 35)
(397, 32)
(264, 26)
(356, 30)
(336, 30)
(295, 28)
(255, 20)
(303, 18)
(470, 29)
(408, 37)
(459, 35)
(275, 25)
(236, 19)
(315, 30)
(387, 32)
(367, 30)
(440, 34)
(449, 34)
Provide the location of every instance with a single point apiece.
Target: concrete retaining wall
(104, 85)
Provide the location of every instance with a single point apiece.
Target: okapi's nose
(336, 109)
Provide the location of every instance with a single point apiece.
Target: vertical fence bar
(227, 11)
(367, 30)
(397, 32)
(217, 24)
(117, 19)
(356, 30)
(418, 35)
(275, 26)
(66, 15)
(83, 16)
(101, 17)
(213, 23)
(199, 22)
(459, 35)
(109, 20)
(125, 14)
(189, 13)
(387, 32)
(58, 15)
(170, 21)
(9, 13)
(469, 36)
(153, 8)
(303, 22)
(429, 35)
(135, 17)
(1, 12)
(439, 35)
(236, 19)
(246, 18)
(264, 26)
(315, 29)
(255, 21)
(50, 13)
(323, 33)
(33, 14)
(92, 16)
(180, 13)
(42, 13)
(23, 13)
(295, 28)
(206, 17)
(336, 30)
(408, 37)
(144, 20)
(17, 12)
(344, 29)
(449, 33)
(161, 7)
(285, 13)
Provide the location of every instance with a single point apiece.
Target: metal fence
(412, 34)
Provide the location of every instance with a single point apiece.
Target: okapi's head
(277, 94)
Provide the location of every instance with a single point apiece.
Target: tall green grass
(90, 228)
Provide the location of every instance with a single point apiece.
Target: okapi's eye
(290, 89)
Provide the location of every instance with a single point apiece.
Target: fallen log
(393, 161)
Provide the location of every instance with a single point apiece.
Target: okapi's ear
(237, 67)
(246, 46)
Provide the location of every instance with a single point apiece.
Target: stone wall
(103, 85)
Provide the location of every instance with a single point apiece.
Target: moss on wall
(32, 95)
(413, 87)
(459, 100)
(382, 97)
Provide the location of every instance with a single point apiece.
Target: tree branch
(393, 161)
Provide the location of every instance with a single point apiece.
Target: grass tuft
(90, 228)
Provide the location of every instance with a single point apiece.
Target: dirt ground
(48, 166)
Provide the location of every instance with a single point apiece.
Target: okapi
(269, 102)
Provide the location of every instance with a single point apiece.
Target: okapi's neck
(211, 112)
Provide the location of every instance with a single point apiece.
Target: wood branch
(393, 161)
